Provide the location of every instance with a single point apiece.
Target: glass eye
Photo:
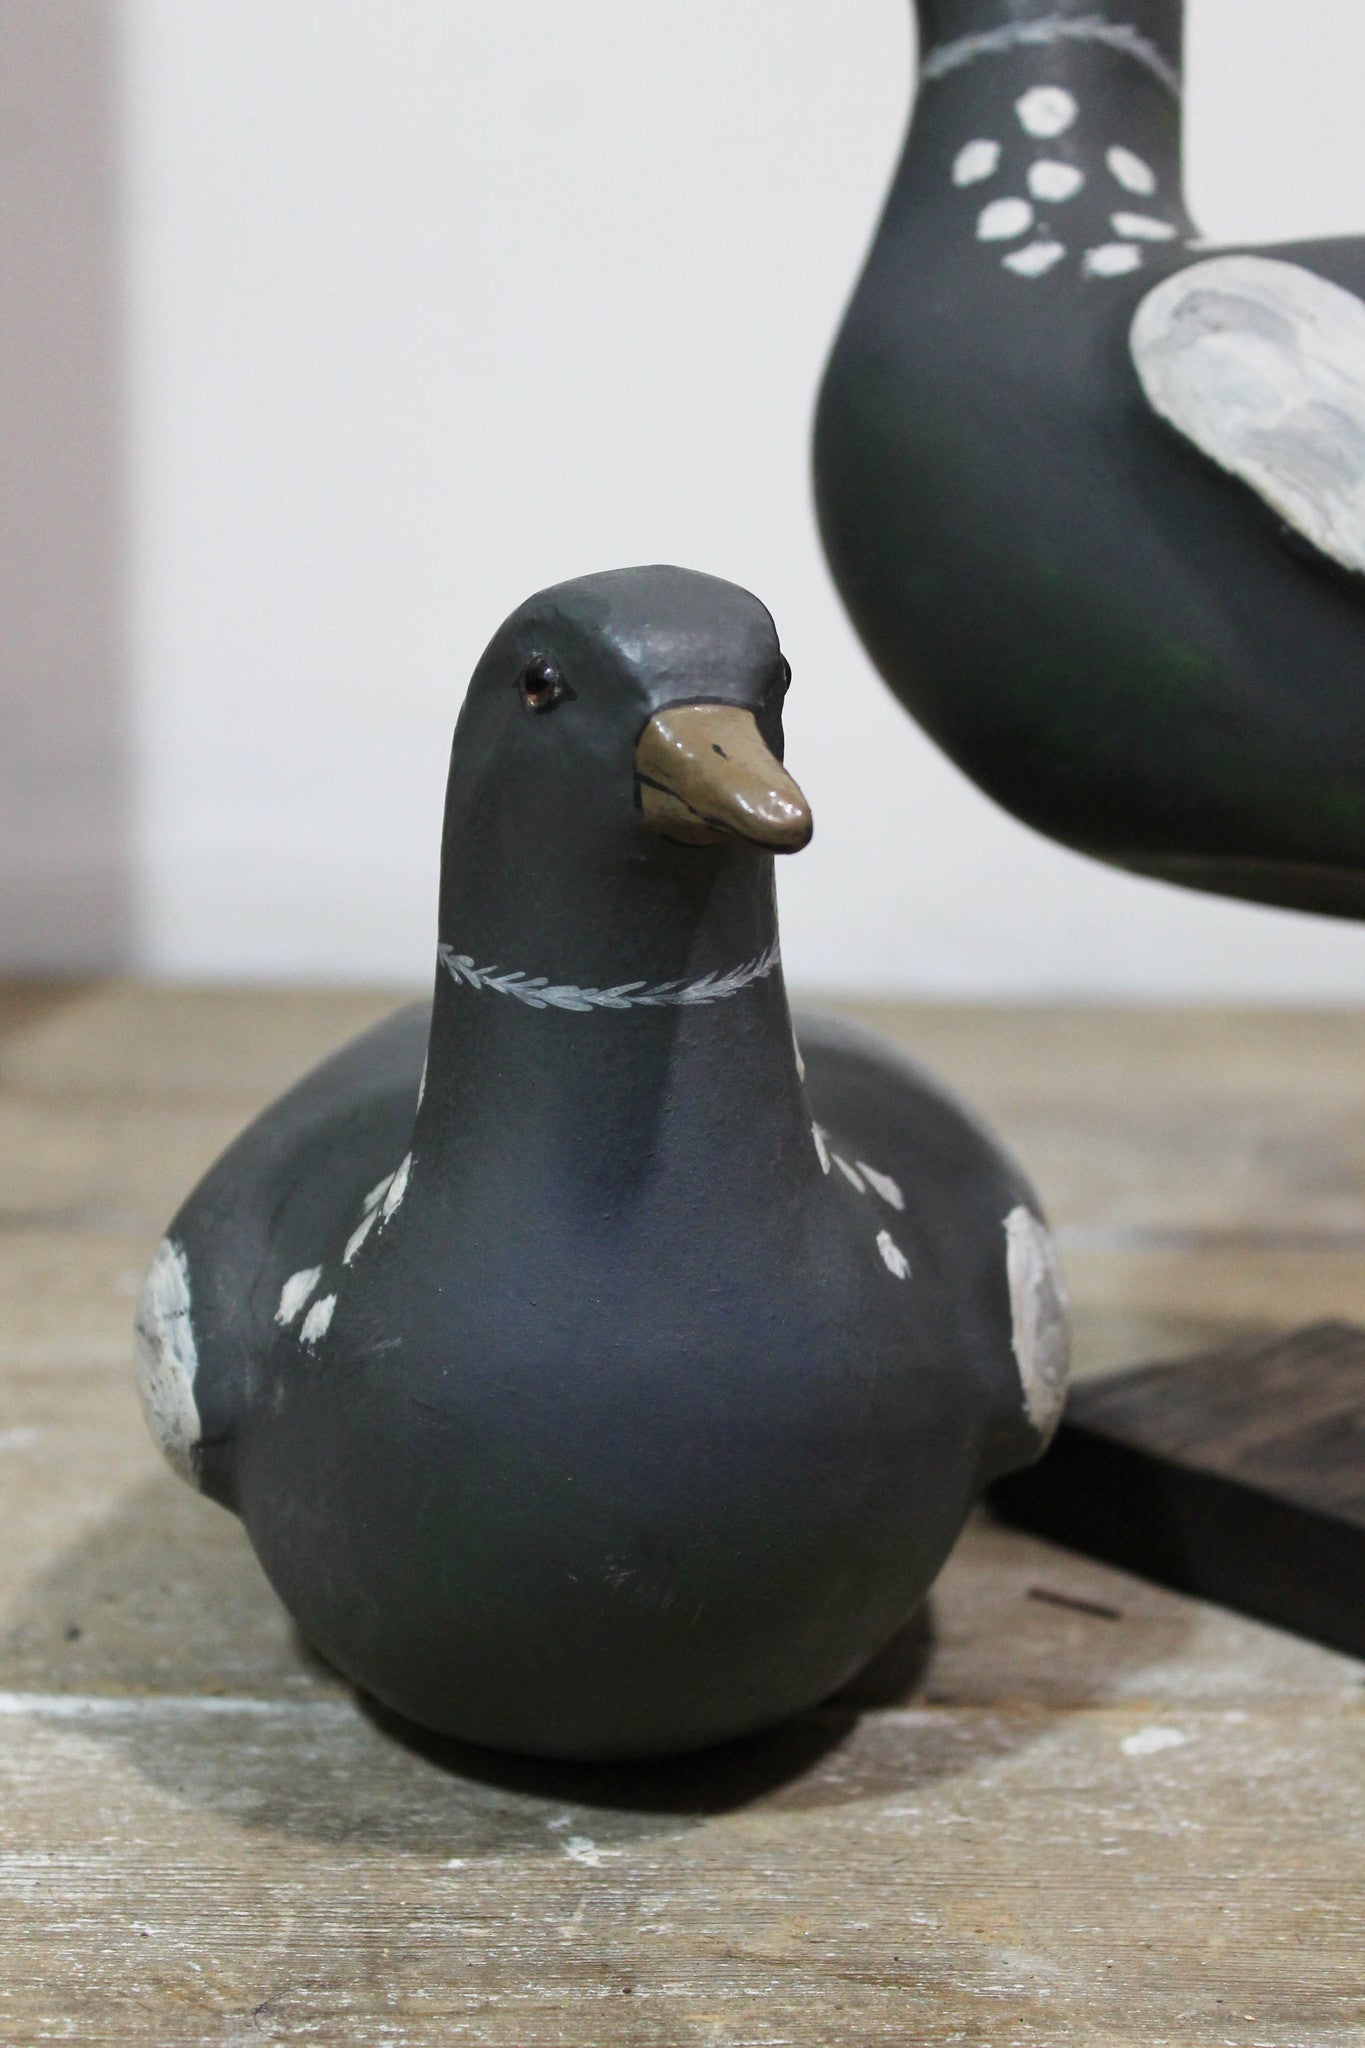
(542, 684)
(786, 672)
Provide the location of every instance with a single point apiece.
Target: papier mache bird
(596, 1373)
(1094, 492)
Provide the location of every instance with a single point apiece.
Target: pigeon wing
(1261, 364)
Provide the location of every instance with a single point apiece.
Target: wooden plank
(290, 1872)
(1238, 1475)
(1286, 1416)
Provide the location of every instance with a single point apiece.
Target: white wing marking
(1261, 364)
(893, 1258)
(888, 1189)
(1038, 1311)
(318, 1321)
(168, 1358)
(357, 1236)
(398, 1187)
(297, 1289)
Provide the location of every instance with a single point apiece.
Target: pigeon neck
(607, 1029)
(1157, 24)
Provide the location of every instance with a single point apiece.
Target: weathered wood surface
(1071, 1809)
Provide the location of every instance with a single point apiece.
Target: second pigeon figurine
(594, 1378)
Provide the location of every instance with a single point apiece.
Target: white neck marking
(1045, 33)
(539, 994)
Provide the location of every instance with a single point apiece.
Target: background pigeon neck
(1005, 100)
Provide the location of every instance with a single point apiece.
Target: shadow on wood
(159, 1636)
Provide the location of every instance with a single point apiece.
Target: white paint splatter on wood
(1131, 172)
(888, 1189)
(1261, 364)
(1112, 259)
(1038, 1313)
(1003, 219)
(893, 1258)
(1143, 227)
(1151, 1741)
(582, 1849)
(1046, 111)
(1054, 181)
(295, 1292)
(167, 1358)
(977, 160)
(1036, 260)
(77, 1706)
(318, 1321)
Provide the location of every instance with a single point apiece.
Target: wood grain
(1068, 1807)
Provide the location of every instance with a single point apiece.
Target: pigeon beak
(705, 771)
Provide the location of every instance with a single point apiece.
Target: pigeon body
(589, 1381)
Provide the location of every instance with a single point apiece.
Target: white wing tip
(1260, 364)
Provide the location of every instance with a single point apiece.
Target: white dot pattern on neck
(1004, 219)
(1046, 111)
(1131, 172)
(1143, 227)
(1112, 259)
(1035, 260)
(976, 161)
(1053, 181)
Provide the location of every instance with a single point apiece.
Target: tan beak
(705, 770)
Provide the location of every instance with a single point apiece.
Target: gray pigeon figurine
(596, 1374)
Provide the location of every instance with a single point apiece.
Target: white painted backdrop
(431, 302)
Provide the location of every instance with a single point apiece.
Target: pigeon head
(627, 709)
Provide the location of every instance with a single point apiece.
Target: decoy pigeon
(1094, 493)
(593, 1379)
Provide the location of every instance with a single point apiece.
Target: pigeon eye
(542, 684)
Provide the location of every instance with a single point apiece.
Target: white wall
(66, 808)
(431, 302)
